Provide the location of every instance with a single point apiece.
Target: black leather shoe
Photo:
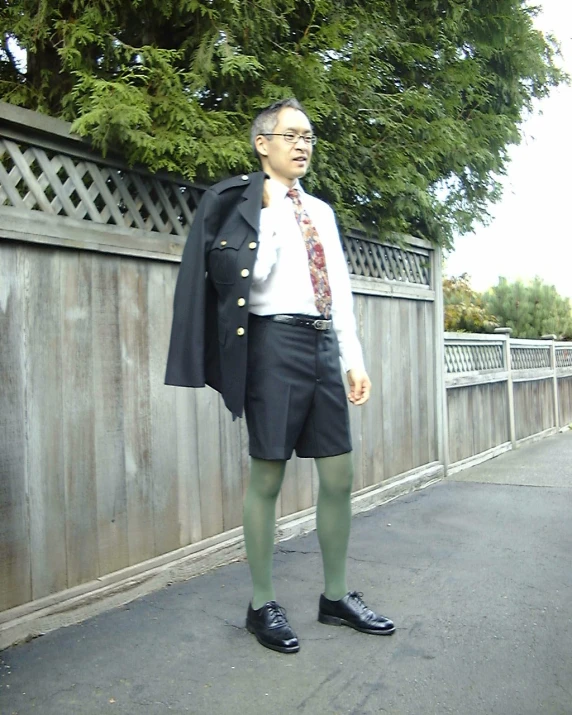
(351, 611)
(271, 628)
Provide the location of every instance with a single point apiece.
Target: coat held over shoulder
(210, 313)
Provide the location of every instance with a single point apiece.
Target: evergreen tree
(415, 101)
(465, 310)
(531, 309)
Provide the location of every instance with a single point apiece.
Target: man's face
(283, 161)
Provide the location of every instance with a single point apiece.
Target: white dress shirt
(281, 280)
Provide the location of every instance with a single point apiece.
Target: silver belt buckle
(321, 324)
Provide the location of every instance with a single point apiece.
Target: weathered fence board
(163, 445)
(533, 407)
(134, 340)
(78, 417)
(45, 421)
(565, 402)
(231, 472)
(478, 419)
(371, 419)
(210, 468)
(288, 502)
(431, 377)
(308, 482)
(15, 557)
(112, 525)
(188, 488)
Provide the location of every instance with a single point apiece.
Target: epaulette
(231, 183)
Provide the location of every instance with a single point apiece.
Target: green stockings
(333, 521)
(259, 520)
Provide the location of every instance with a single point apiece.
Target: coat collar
(251, 206)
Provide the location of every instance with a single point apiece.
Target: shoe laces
(357, 596)
(278, 613)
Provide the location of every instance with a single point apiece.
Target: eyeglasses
(293, 138)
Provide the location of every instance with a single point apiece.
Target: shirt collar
(278, 190)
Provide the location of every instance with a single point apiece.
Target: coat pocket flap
(231, 236)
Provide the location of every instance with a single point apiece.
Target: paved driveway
(476, 572)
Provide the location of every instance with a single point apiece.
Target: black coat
(210, 318)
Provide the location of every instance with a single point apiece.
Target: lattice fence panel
(526, 358)
(461, 358)
(36, 179)
(564, 357)
(376, 260)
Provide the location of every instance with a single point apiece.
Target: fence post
(509, 387)
(439, 336)
(552, 338)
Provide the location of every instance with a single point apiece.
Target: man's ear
(260, 144)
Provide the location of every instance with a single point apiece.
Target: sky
(531, 231)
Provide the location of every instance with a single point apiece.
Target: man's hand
(360, 387)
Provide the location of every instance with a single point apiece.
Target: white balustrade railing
(564, 356)
(537, 375)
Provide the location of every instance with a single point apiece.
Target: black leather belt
(315, 323)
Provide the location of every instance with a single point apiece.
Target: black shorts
(295, 396)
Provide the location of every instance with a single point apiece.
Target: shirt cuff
(351, 356)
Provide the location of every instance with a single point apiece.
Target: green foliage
(415, 102)
(531, 309)
(465, 310)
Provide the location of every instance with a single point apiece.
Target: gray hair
(267, 120)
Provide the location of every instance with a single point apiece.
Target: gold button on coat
(244, 177)
(223, 243)
(245, 272)
(240, 331)
(241, 302)
(252, 244)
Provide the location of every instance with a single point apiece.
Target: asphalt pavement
(475, 571)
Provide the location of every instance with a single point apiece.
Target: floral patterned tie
(316, 256)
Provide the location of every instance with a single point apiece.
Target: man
(263, 313)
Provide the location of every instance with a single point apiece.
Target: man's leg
(339, 607)
(259, 523)
(265, 618)
(333, 520)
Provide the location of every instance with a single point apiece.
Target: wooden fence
(111, 483)
(502, 392)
